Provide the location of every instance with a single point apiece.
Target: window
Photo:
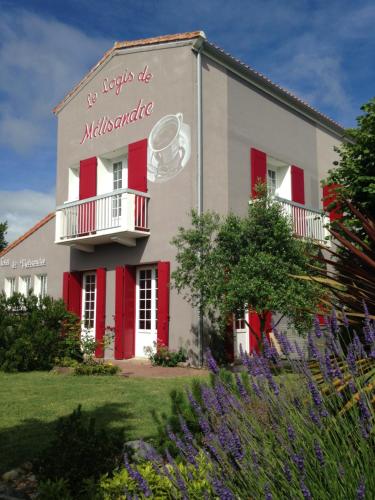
(40, 287)
(147, 299)
(10, 286)
(271, 182)
(89, 300)
(117, 184)
(25, 285)
(240, 323)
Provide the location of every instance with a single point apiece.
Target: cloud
(40, 60)
(22, 209)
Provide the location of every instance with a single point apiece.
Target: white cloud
(22, 209)
(40, 60)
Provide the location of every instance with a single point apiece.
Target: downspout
(200, 177)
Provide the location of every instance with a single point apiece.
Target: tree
(354, 173)
(3, 230)
(225, 263)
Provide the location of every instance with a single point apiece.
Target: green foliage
(3, 230)
(225, 263)
(92, 367)
(33, 333)
(79, 452)
(161, 356)
(51, 490)
(122, 486)
(355, 171)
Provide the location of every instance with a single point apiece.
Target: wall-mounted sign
(115, 85)
(23, 263)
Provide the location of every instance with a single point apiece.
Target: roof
(28, 233)
(226, 59)
(191, 35)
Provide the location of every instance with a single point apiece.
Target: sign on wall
(23, 263)
(169, 141)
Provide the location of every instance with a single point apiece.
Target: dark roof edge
(267, 86)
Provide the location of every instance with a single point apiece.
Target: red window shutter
(87, 178)
(255, 333)
(298, 185)
(137, 166)
(119, 313)
(129, 312)
(163, 303)
(87, 189)
(258, 161)
(100, 311)
(72, 292)
(329, 198)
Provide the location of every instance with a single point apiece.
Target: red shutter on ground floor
(119, 313)
(137, 166)
(100, 311)
(298, 184)
(163, 303)
(254, 330)
(72, 292)
(330, 198)
(258, 162)
(129, 311)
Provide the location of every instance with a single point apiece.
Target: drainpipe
(200, 177)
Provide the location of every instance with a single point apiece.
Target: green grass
(30, 404)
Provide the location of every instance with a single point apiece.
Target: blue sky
(323, 51)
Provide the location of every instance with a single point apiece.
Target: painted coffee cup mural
(169, 148)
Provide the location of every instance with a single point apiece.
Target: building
(158, 127)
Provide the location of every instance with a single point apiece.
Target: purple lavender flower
(284, 343)
(351, 360)
(315, 393)
(288, 473)
(136, 476)
(291, 433)
(361, 491)
(315, 418)
(305, 491)
(319, 453)
(179, 479)
(345, 319)
(242, 390)
(256, 389)
(358, 348)
(299, 461)
(334, 323)
(365, 417)
(318, 331)
(211, 362)
(267, 492)
(210, 400)
(221, 490)
(329, 370)
(314, 353)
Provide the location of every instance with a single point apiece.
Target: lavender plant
(278, 437)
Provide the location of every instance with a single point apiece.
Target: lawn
(31, 403)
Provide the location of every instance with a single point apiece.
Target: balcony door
(146, 309)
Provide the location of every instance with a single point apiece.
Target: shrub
(126, 483)
(296, 445)
(78, 453)
(96, 368)
(33, 333)
(162, 356)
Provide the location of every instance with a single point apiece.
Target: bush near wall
(34, 332)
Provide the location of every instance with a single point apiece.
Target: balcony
(120, 216)
(307, 222)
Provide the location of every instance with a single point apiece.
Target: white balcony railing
(307, 222)
(121, 211)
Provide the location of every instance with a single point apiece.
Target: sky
(322, 51)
